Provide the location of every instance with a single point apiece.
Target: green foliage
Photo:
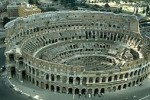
(5, 20)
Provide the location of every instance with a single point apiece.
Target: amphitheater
(77, 52)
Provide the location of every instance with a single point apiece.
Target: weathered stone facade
(77, 52)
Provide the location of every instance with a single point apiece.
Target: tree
(5, 20)
(32, 2)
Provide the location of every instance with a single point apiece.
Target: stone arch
(52, 77)
(58, 78)
(119, 87)
(139, 71)
(103, 79)
(129, 84)
(89, 91)
(126, 75)
(114, 88)
(135, 73)
(20, 59)
(63, 89)
(137, 81)
(42, 85)
(116, 77)
(83, 91)
(70, 91)
(131, 74)
(13, 71)
(57, 89)
(24, 75)
(47, 77)
(37, 83)
(125, 86)
(102, 90)
(70, 80)
(76, 91)
(77, 80)
(96, 91)
(141, 79)
(84, 80)
(121, 76)
(33, 81)
(11, 57)
(90, 79)
(133, 83)
(52, 88)
(109, 89)
(47, 86)
(109, 78)
(97, 80)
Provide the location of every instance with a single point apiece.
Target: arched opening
(58, 89)
(11, 58)
(13, 71)
(52, 88)
(70, 80)
(121, 76)
(76, 91)
(125, 86)
(109, 79)
(114, 88)
(58, 78)
(137, 81)
(129, 85)
(24, 74)
(84, 80)
(97, 80)
(47, 86)
(70, 91)
(52, 77)
(89, 91)
(135, 73)
(20, 62)
(47, 77)
(77, 80)
(109, 89)
(83, 91)
(103, 79)
(91, 80)
(42, 85)
(131, 74)
(96, 91)
(102, 91)
(133, 84)
(33, 80)
(115, 77)
(63, 90)
(37, 83)
(126, 75)
(139, 72)
(119, 87)
(141, 79)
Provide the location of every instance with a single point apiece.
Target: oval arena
(77, 52)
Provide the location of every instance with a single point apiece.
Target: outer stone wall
(67, 34)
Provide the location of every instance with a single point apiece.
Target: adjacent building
(21, 9)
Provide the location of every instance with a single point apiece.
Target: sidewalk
(37, 93)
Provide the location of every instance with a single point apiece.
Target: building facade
(15, 10)
(77, 52)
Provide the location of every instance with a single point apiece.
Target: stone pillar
(81, 79)
(74, 80)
